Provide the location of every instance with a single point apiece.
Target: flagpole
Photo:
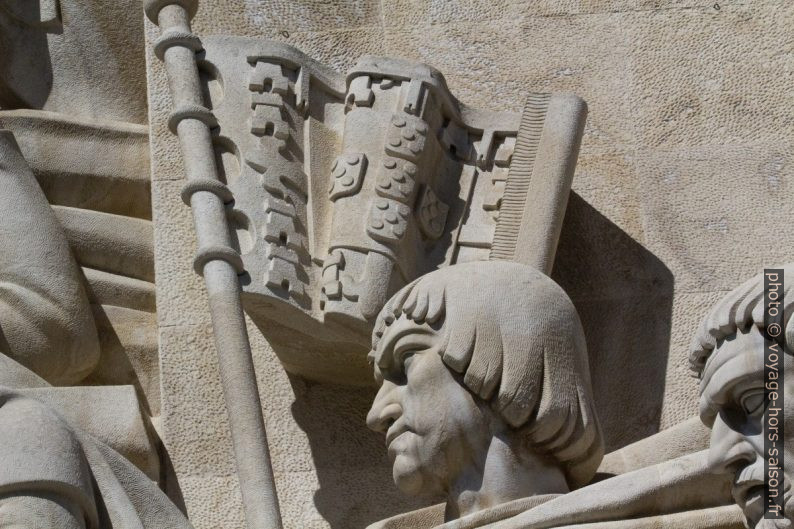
(216, 259)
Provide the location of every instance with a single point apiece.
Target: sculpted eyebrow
(401, 341)
(726, 387)
(724, 368)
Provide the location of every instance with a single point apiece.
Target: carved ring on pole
(216, 259)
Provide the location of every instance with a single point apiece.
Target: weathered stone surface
(618, 247)
(682, 190)
(742, 356)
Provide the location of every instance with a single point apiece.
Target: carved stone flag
(346, 188)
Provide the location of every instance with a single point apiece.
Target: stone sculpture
(485, 399)
(59, 464)
(728, 357)
(485, 390)
(47, 326)
(342, 189)
(332, 207)
(411, 161)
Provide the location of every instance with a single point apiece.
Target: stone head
(728, 355)
(479, 352)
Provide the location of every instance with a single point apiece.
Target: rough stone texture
(87, 63)
(88, 450)
(737, 353)
(485, 391)
(317, 433)
(679, 187)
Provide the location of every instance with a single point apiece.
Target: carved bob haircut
(737, 311)
(515, 337)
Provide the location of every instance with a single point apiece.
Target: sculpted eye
(407, 359)
(753, 402)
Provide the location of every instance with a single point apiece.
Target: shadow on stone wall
(25, 78)
(354, 472)
(624, 296)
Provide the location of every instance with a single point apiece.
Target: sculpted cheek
(424, 402)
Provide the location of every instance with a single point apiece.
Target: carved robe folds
(679, 494)
(46, 457)
(69, 456)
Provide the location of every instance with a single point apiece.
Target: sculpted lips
(743, 490)
(748, 490)
(396, 430)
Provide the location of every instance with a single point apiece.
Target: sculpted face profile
(485, 392)
(728, 354)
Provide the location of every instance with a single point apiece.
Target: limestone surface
(336, 151)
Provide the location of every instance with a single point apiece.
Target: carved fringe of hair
(737, 311)
(538, 388)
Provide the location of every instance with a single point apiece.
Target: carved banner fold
(348, 188)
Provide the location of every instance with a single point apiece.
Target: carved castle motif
(223, 261)
(344, 189)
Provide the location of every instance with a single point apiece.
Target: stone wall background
(683, 190)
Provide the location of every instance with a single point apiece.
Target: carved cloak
(42, 452)
(677, 494)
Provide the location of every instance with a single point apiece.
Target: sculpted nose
(729, 450)
(385, 408)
